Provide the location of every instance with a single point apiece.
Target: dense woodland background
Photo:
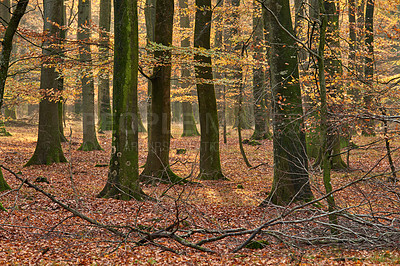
(209, 132)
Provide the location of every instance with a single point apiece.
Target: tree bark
(89, 142)
(261, 113)
(210, 165)
(333, 67)
(61, 106)
(48, 147)
(157, 163)
(369, 64)
(123, 175)
(104, 106)
(189, 124)
(291, 181)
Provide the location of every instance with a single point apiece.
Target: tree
(261, 113)
(291, 181)
(89, 141)
(123, 175)
(369, 63)
(7, 43)
(210, 164)
(63, 36)
(104, 106)
(48, 146)
(333, 67)
(189, 124)
(157, 163)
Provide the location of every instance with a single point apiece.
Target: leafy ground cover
(35, 230)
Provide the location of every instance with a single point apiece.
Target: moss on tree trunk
(291, 181)
(123, 175)
(48, 147)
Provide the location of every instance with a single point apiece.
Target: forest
(200, 132)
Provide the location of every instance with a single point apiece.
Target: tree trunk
(104, 106)
(333, 67)
(150, 17)
(326, 151)
(261, 129)
(48, 147)
(5, 16)
(61, 106)
(157, 163)
(291, 181)
(218, 43)
(369, 65)
(210, 165)
(360, 23)
(189, 124)
(123, 175)
(89, 142)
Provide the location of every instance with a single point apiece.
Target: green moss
(260, 244)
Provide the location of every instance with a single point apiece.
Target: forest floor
(34, 230)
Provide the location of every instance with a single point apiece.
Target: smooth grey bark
(291, 181)
(103, 97)
(123, 174)
(89, 142)
(210, 164)
(189, 124)
(48, 146)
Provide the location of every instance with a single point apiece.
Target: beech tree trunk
(89, 142)
(333, 67)
(369, 64)
(189, 124)
(103, 99)
(210, 164)
(218, 45)
(291, 181)
(150, 17)
(5, 16)
(48, 147)
(157, 163)
(63, 35)
(261, 113)
(5, 58)
(123, 175)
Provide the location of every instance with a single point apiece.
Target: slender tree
(4, 20)
(210, 164)
(157, 163)
(261, 113)
(89, 141)
(63, 36)
(189, 124)
(369, 63)
(123, 176)
(291, 181)
(333, 67)
(220, 89)
(104, 106)
(48, 146)
(11, 29)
